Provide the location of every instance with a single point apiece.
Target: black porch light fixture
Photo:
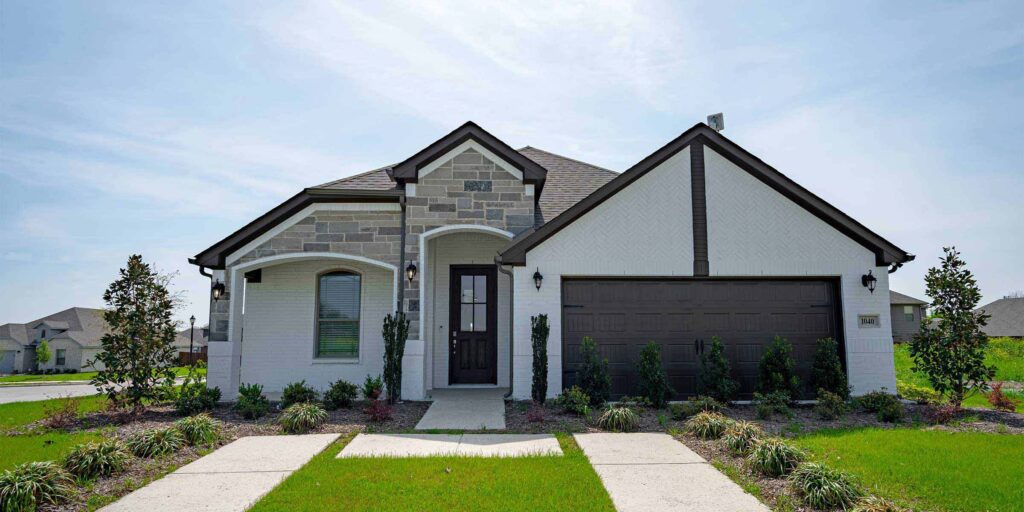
(410, 271)
(869, 281)
(218, 290)
(537, 278)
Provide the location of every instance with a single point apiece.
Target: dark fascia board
(408, 169)
(885, 252)
(214, 256)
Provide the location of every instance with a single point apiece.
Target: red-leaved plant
(940, 414)
(535, 414)
(378, 411)
(1000, 400)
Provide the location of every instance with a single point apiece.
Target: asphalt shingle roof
(899, 298)
(1007, 317)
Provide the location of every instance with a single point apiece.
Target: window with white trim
(61, 357)
(337, 317)
(908, 313)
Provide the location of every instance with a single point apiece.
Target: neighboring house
(73, 335)
(906, 314)
(1007, 317)
(472, 238)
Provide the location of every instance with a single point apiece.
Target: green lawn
(37, 448)
(22, 413)
(929, 469)
(180, 371)
(442, 484)
(1006, 354)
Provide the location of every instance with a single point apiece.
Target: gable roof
(886, 252)
(897, 298)
(568, 182)
(85, 326)
(15, 332)
(377, 179)
(1007, 317)
(407, 169)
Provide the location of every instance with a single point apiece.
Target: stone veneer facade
(468, 189)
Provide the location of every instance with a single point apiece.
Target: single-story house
(1007, 317)
(74, 336)
(471, 238)
(906, 313)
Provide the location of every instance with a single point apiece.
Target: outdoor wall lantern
(410, 271)
(537, 278)
(869, 281)
(218, 290)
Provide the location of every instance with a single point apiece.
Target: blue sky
(159, 128)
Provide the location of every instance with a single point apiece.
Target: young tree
(653, 380)
(827, 371)
(42, 353)
(593, 377)
(952, 354)
(137, 354)
(539, 330)
(396, 332)
(776, 371)
(714, 378)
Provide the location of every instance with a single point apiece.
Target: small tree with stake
(539, 330)
(138, 352)
(396, 332)
(952, 354)
(42, 353)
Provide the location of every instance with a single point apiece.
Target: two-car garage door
(682, 315)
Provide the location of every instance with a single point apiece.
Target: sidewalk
(458, 445)
(654, 472)
(230, 479)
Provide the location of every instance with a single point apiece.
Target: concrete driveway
(31, 393)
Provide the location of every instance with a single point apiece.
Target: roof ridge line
(588, 164)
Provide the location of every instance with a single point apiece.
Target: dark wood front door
(473, 340)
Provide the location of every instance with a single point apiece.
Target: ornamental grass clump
(154, 442)
(91, 460)
(741, 436)
(824, 488)
(708, 425)
(302, 417)
(774, 457)
(619, 419)
(199, 430)
(29, 485)
(876, 504)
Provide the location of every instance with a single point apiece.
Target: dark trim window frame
(908, 313)
(338, 315)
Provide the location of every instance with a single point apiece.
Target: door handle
(702, 345)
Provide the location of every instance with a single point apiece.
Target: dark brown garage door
(682, 315)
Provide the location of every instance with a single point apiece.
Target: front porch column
(224, 357)
(414, 370)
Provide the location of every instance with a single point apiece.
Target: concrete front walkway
(230, 479)
(463, 445)
(654, 472)
(465, 409)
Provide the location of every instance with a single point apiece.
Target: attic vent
(717, 121)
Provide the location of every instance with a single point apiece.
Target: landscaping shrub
(1000, 400)
(593, 377)
(654, 384)
(61, 413)
(636, 402)
(378, 410)
(703, 404)
(251, 402)
(154, 442)
(768, 404)
(165, 393)
(302, 417)
(678, 411)
(713, 378)
(827, 370)
(539, 330)
(341, 394)
(29, 485)
(396, 332)
(574, 400)
(774, 457)
(372, 387)
(775, 371)
(741, 436)
(708, 425)
(297, 393)
(940, 414)
(876, 504)
(535, 414)
(195, 397)
(619, 419)
(830, 405)
(824, 488)
(891, 412)
(88, 461)
(875, 400)
(199, 430)
(919, 394)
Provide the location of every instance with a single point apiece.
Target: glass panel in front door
(473, 304)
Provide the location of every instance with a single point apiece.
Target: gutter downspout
(511, 321)
(400, 307)
(209, 301)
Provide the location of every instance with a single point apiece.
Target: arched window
(337, 317)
